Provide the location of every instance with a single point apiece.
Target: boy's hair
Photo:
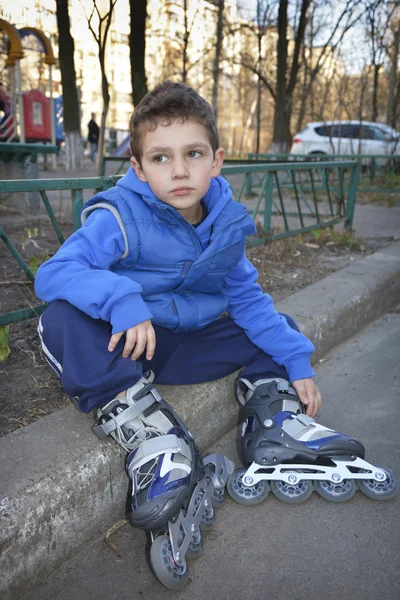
(167, 102)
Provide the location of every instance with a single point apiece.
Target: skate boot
(288, 452)
(174, 490)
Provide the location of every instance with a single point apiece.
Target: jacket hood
(215, 199)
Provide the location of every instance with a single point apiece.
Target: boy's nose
(179, 169)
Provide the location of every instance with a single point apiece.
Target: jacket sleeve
(254, 312)
(79, 273)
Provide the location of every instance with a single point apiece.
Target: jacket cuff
(299, 367)
(128, 312)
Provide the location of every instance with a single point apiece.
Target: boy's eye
(193, 154)
(160, 158)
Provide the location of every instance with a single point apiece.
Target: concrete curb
(61, 486)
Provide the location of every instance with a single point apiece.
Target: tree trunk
(392, 99)
(281, 129)
(106, 103)
(286, 84)
(258, 116)
(217, 57)
(375, 94)
(304, 92)
(137, 48)
(72, 127)
(185, 42)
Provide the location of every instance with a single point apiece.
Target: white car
(346, 137)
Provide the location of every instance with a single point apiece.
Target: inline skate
(174, 490)
(288, 452)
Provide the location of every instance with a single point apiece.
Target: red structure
(37, 116)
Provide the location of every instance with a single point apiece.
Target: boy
(141, 288)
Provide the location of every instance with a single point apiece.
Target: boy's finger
(140, 345)
(114, 341)
(151, 343)
(129, 343)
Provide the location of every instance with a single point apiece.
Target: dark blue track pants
(75, 345)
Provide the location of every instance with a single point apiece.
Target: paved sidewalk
(318, 549)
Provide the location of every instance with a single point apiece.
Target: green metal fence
(292, 198)
(310, 202)
(43, 186)
(379, 173)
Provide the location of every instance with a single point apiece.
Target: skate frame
(293, 473)
(186, 525)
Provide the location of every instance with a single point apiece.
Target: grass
(340, 238)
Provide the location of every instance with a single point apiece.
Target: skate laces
(130, 443)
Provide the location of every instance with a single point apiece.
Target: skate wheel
(292, 494)
(208, 518)
(168, 572)
(336, 492)
(196, 545)
(219, 495)
(379, 490)
(246, 495)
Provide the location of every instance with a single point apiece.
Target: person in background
(93, 136)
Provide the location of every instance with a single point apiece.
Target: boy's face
(178, 164)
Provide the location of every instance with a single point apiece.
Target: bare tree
(217, 57)
(137, 48)
(394, 79)
(176, 41)
(73, 145)
(100, 30)
(256, 56)
(378, 19)
(316, 59)
(287, 77)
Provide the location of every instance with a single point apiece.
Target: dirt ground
(30, 390)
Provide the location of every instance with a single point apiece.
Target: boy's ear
(138, 170)
(218, 162)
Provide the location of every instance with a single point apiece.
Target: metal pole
(52, 116)
(19, 99)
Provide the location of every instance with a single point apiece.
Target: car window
(346, 130)
(378, 134)
(335, 131)
(322, 130)
(367, 133)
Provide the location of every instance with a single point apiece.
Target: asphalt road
(317, 550)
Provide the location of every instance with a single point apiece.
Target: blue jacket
(137, 258)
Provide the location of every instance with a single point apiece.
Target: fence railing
(310, 201)
(292, 198)
(44, 186)
(379, 173)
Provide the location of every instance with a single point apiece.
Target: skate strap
(154, 447)
(102, 430)
(297, 424)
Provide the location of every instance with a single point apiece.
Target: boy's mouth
(181, 191)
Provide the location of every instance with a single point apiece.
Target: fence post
(77, 204)
(351, 199)
(372, 169)
(268, 204)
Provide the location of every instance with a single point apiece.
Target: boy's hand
(137, 339)
(308, 394)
